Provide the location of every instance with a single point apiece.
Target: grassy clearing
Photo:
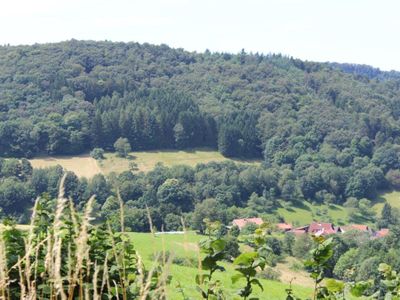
(305, 213)
(146, 160)
(392, 197)
(81, 165)
(85, 166)
(186, 246)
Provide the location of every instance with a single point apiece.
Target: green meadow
(185, 246)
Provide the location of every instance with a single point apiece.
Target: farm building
(242, 222)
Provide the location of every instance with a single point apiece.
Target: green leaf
(237, 277)
(257, 282)
(245, 259)
(218, 245)
(334, 286)
(359, 288)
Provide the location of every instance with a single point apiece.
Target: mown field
(81, 165)
(305, 212)
(185, 246)
(85, 166)
(392, 197)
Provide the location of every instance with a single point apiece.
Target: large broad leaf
(237, 277)
(334, 286)
(245, 259)
(257, 282)
(208, 263)
(218, 245)
(359, 288)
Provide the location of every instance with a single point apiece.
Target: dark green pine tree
(386, 218)
(228, 141)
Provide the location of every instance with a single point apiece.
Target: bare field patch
(81, 165)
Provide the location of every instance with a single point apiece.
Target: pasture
(185, 246)
(85, 166)
(304, 213)
(81, 165)
(392, 197)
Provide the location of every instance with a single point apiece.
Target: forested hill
(72, 96)
(367, 71)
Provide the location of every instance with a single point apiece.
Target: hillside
(326, 133)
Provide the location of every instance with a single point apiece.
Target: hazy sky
(357, 31)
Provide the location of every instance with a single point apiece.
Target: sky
(353, 31)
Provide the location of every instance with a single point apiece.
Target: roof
(358, 227)
(298, 231)
(321, 228)
(242, 222)
(284, 226)
(382, 233)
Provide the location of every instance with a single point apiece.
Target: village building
(284, 226)
(242, 222)
(355, 227)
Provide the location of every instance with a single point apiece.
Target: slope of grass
(85, 166)
(392, 197)
(305, 212)
(186, 246)
(81, 165)
(146, 160)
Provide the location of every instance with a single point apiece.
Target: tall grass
(65, 255)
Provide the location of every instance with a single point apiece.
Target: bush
(231, 248)
(302, 246)
(97, 153)
(160, 257)
(249, 228)
(270, 274)
(185, 261)
(296, 266)
(122, 147)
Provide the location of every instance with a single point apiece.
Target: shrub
(270, 274)
(302, 246)
(185, 261)
(249, 228)
(296, 266)
(122, 147)
(97, 153)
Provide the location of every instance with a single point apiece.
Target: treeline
(217, 191)
(367, 71)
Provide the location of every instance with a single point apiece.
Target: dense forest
(73, 96)
(326, 132)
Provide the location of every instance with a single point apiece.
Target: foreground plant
(64, 256)
(214, 249)
(249, 263)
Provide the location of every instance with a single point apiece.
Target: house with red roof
(299, 230)
(284, 226)
(320, 228)
(242, 222)
(382, 233)
(317, 228)
(355, 227)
